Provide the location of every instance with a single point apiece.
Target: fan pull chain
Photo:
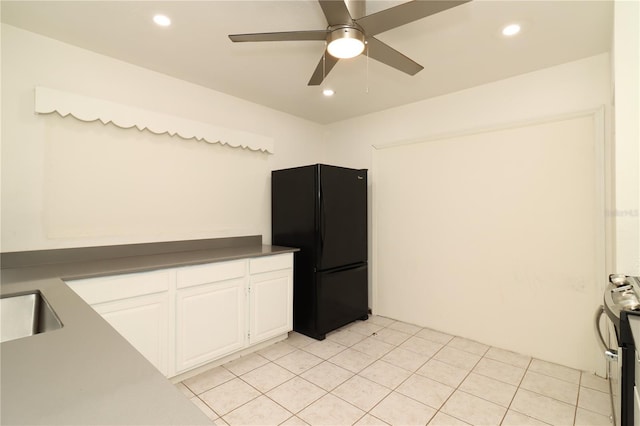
(324, 61)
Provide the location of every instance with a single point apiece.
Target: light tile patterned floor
(382, 371)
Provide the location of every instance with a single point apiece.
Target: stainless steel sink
(26, 314)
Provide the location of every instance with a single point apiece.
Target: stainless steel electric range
(622, 309)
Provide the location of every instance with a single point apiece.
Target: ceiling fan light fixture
(345, 42)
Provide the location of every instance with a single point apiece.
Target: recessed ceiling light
(328, 92)
(511, 30)
(162, 20)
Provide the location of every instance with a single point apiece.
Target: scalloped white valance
(85, 108)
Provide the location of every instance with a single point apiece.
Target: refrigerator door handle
(322, 220)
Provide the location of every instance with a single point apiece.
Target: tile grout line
(393, 346)
(516, 392)
(286, 381)
(547, 396)
(459, 384)
(268, 397)
(368, 412)
(457, 388)
(397, 386)
(555, 377)
(575, 411)
(211, 408)
(394, 389)
(221, 416)
(335, 387)
(587, 409)
(346, 380)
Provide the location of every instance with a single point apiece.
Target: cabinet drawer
(105, 289)
(271, 263)
(210, 273)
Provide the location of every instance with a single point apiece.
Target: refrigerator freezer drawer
(342, 298)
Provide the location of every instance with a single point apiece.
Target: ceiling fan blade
(404, 13)
(335, 11)
(283, 36)
(387, 55)
(322, 70)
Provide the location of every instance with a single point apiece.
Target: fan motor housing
(345, 41)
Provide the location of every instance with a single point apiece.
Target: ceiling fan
(346, 37)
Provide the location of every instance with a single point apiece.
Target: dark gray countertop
(141, 263)
(86, 373)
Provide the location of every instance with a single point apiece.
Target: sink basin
(26, 314)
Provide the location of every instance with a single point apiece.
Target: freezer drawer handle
(610, 354)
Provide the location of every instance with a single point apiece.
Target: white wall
(626, 64)
(36, 156)
(67, 183)
(500, 242)
(569, 88)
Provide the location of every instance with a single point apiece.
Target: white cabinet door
(209, 322)
(209, 309)
(137, 306)
(143, 321)
(271, 297)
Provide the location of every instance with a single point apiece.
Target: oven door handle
(610, 354)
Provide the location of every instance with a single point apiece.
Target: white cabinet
(137, 306)
(181, 318)
(210, 312)
(270, 297)
(143, 321)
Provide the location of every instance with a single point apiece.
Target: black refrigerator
(322, 210)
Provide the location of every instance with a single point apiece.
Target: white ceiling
(459, 48)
